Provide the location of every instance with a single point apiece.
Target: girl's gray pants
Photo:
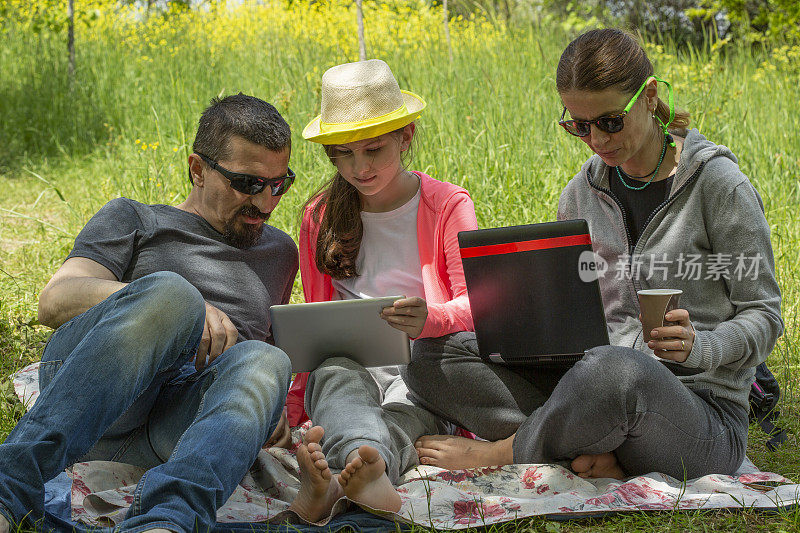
(356, 405)
(615, 399)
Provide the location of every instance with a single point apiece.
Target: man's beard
(242, 235)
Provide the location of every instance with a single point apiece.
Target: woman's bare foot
(318, 490)
(455, 453)
(4, 525)
(602, 465)
(364, 481)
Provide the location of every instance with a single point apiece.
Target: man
(160, 357)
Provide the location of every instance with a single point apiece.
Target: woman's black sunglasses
(582, 128)
(609, 123)
(249, 184)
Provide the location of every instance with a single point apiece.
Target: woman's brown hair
(337, 210)
(610, 59)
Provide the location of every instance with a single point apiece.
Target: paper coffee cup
(654, 304)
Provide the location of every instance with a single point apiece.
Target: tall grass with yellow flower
(124, 126)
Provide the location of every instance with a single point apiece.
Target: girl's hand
(676, 341)
(407, 314)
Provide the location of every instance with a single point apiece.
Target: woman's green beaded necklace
(652, 175)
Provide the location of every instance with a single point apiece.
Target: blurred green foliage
(755, 20)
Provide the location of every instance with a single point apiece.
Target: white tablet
(311, 333)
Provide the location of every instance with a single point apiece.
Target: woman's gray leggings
(615, 399)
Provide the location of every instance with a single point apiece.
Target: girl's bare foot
(364, 481)
(455, 453)
(601, 465)
(318, 490)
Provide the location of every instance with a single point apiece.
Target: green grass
(490, 126)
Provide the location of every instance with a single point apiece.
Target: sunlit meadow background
(125, 125)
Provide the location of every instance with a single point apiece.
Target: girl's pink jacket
(444, 210)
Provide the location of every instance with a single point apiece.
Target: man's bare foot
(364, 481)
(4, 525)
(454, 453)
(318, 490)
(602, 465)
(282, 436)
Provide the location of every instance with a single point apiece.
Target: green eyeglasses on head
(613, 123)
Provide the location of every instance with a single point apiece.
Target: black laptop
(529, 302)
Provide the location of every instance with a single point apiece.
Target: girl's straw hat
(360, 101)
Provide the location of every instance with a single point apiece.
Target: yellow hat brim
(357, 131)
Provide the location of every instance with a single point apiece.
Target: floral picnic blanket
(102, 491)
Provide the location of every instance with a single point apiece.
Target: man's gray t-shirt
(133, 240)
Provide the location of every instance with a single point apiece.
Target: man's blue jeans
(117, 384)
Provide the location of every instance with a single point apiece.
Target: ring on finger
(683, 345)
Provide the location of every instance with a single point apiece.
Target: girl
(376, 229)
(657, 200)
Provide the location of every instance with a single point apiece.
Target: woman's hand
(407, 314)
(673, 342)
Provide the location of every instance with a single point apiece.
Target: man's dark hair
(246, 116)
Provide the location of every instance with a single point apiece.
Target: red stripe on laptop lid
(525, 246)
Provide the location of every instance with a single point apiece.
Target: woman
(659, 202)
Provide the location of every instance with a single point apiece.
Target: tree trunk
(447, 30)
(507, 10)
(362, 47)
(636, 15)
(71, 40)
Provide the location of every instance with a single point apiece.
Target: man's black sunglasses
(249, 184)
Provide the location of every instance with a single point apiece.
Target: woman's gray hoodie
(710, 239)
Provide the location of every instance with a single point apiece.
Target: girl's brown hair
(337, 210)
(610, 59)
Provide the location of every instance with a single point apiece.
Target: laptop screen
(527, 294)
